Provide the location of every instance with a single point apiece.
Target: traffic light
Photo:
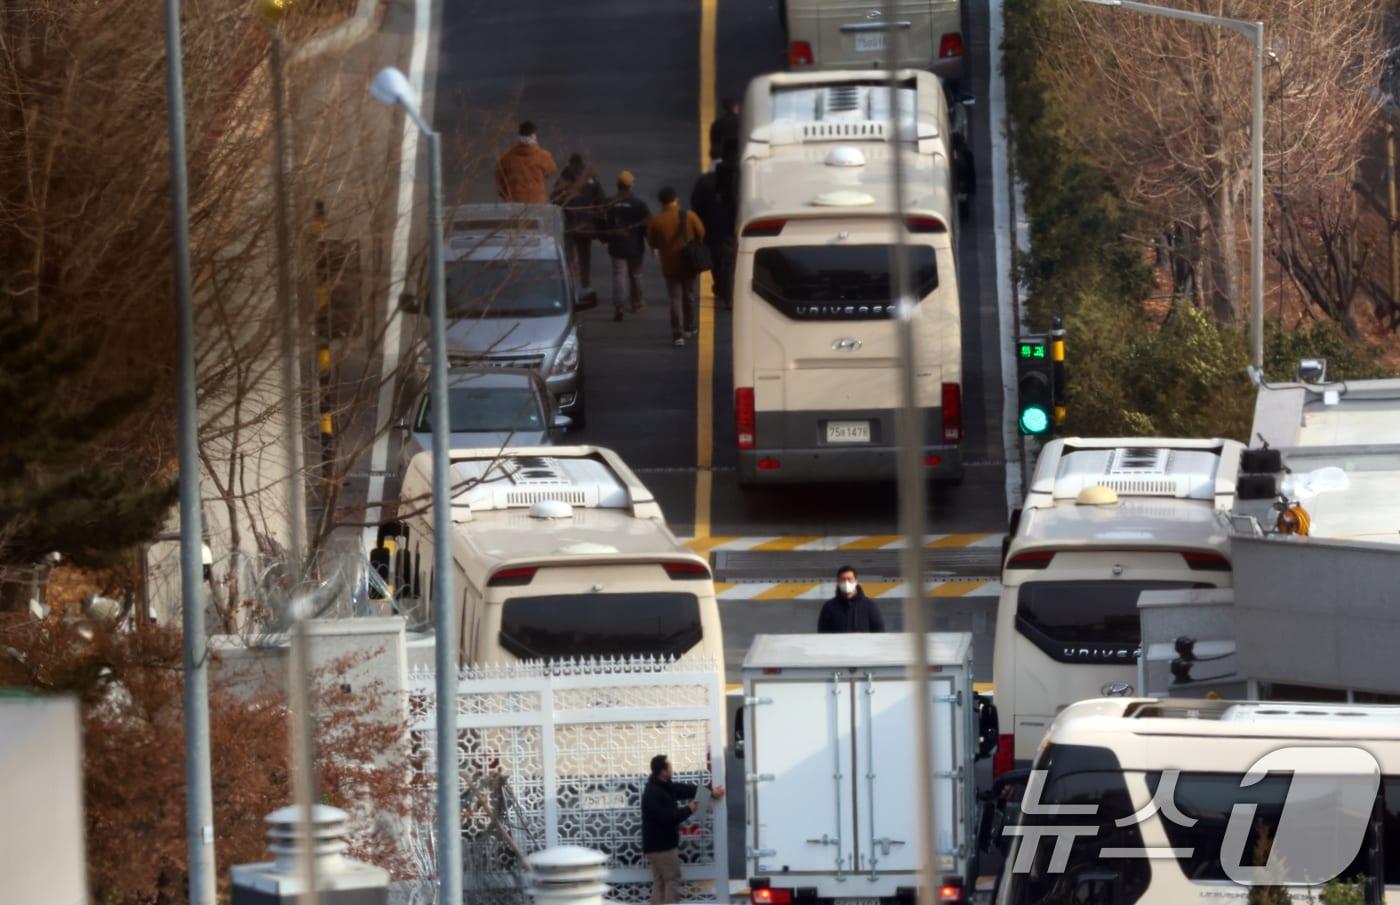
(1035, 387)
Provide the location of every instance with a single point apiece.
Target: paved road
(618, 80)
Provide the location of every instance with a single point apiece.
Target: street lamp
(1255, 32)
(391, 87)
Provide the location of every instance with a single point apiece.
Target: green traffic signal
(1034, 420)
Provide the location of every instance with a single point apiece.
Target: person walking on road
(585, 205)
(668, 236)
(715, 200)
(627, 217)
(725, 128)
(662, 816)
(850, 610)
(523, 172)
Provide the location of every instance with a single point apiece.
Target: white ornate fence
(558, 753)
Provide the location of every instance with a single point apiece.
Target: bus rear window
(1086, 621)
(837, 282)
(600, 625)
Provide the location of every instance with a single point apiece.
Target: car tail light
(1005, 758)
(951, 46)
(512, 578)
(769, 464)
(925, 225)
(952, 413)
(950, 892)
(1206, 562)
(763, 229)
(743, 417)
(766, 895)
(686, 571)
(800, 53)
(932, 461)
(1032, 559)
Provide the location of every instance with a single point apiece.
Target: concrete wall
(1318, 612)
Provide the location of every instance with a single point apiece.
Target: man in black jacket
(627, 217)
(662, 816)
(850, 610)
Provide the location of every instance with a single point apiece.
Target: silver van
(511, 301)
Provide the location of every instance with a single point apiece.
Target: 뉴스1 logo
(1320, 829)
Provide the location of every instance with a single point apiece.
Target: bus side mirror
(739, 733)
(988, 726)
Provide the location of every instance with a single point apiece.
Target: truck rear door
(887, 815)
(800, 812)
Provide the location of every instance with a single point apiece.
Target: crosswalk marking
(820, 590)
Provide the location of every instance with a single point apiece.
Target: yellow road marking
(955, 588)
(706, 544)
(873, 542)
(705, 354)
(787, 590)
(956, 540)
(722, 586)
(733, 687)
(982, 687)
(785, 543)
(876, 588)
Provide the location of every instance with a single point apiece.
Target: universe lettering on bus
(865, 311)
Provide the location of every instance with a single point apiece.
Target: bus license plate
(870, 43)
(857, 902)
(848, 432)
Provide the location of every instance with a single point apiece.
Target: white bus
(557, 552)
(1209, 762)
(1105, 520)
(816, 343)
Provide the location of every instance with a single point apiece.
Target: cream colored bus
(816, 343)
(558, 552)
(1105, 520)
(1173, 801)
(858, 34)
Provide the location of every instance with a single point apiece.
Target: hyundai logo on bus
(1334, 807)
(846, 344)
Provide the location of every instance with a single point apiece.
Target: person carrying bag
(677, 236)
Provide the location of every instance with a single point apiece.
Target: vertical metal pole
(445, 634)
(287, 304)
(910, 431)
(299, 690)
(1392, 173)
(1256, 309)
(199, 805)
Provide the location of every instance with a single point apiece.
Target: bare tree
(1168, 105)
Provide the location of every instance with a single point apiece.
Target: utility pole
(199, 803)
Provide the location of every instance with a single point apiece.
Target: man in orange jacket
(668, 239)
(523, 172)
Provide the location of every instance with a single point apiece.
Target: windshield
(509, 288)
(600, 625)
(837, 282)
(1086, 621)
(479, 409)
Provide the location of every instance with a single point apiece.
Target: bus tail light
(686, 571)
(512, 578)
(799, 54)
(744, 417)
(1206, 562)
(951, 890)
(767, 895)
(925, 225)
(950, 46)
(1031, 559)
(952, 413)
(1005, 758)
(763, 229)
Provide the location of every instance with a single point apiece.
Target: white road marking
(398, 264)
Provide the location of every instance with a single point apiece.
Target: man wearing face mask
(850, 610)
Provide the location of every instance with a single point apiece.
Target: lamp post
(1254, 31)
(199, 798)
(391, 87)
